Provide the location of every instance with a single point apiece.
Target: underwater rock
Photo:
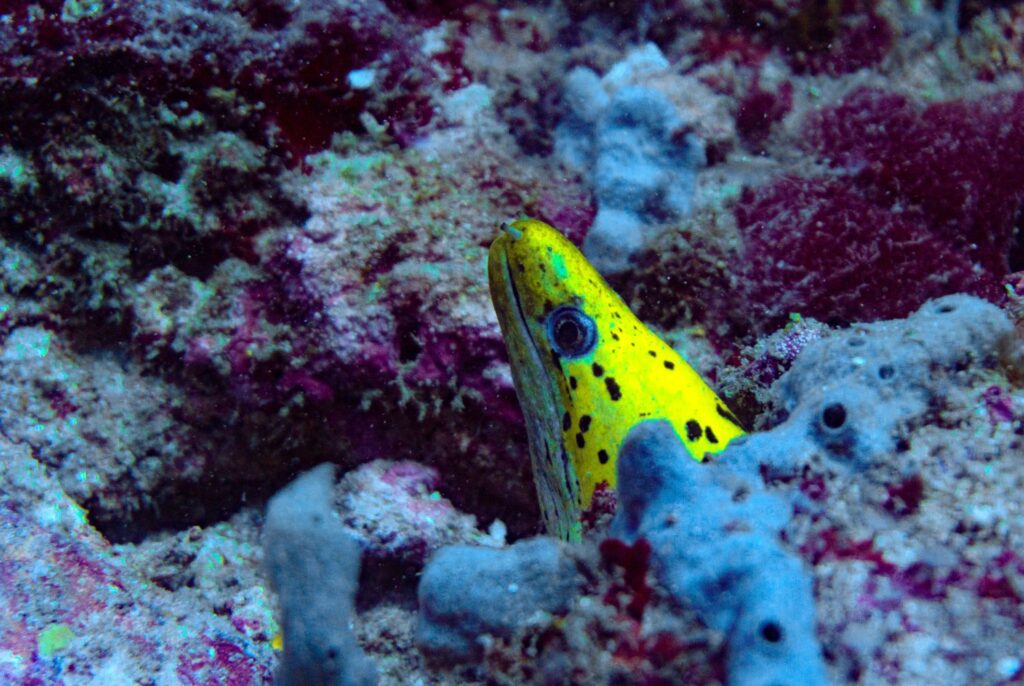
(835, 39)
(261, 62)
(467, 593)
(395, 316)
(103, 429)
(715, 545)
(313, 565)
(636, 148)
(908, 500)
(395, 512)
(75, 611)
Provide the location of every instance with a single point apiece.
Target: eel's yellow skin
(581, 399)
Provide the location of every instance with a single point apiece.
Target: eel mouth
(517, 320)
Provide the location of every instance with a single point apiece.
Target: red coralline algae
(601, 510)
(956, 163)
(922, 202)
(759, 109)
(1001, 577)
(999, 404)
(718, 45)
(822, 249)
(634, 593)
(905, 497)
(814, 487)
(995, 579)
(829, 544)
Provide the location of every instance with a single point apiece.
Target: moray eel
(586, 370)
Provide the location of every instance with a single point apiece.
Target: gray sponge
(639, 154)
(715, 546)
(468, 592)
(849, 396)
(313, 565)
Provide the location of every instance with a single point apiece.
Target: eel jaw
(538, 398)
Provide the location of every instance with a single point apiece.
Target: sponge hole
(771, 631)
(834, 416)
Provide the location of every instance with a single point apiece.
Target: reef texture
(241, 238)
(76, 610)
(396, 513)
(920, 201)
(736, 544)
(869, 443)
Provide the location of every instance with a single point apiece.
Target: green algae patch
(54, 639)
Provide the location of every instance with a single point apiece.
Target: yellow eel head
(586, 371)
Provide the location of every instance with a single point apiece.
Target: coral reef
(737, 543)
(948, 162)
(873, 417)
(830, 38)
(313, 566)
(102, 430)
(77, 611)
(611, 626)
(156, 214)
(853, 395)
(240, 238)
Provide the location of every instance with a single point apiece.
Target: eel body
(586, 370)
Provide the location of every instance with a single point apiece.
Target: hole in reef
(834, 416)
(169, 167)
(886, 371)
(771, 631)
(945, 308)
(267, 15)
(1015, 254)
(409, 346)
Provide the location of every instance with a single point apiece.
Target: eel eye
(572, 333)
